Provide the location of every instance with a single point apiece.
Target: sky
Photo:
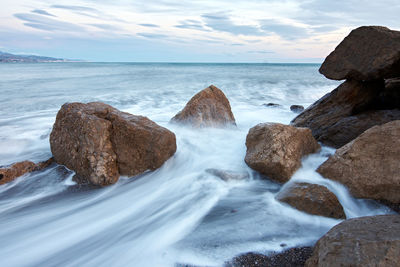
(259, 31)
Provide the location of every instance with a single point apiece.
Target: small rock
(365, 241)
(312, 198)
(273, 105)
(275, 150)
(18, 169)
(227, 175)
(208, 108)
(296, 108)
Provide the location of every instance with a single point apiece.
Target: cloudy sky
(187, 31)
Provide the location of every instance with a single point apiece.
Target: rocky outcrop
(276, 150)
(365, 241)
(227, 175)
(100, 143)
(296, 108)
(288, 258)
(12, 172)
(208, 108)
(313, 199)
(367, 53)
(369, 165)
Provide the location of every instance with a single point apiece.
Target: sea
(179, 214)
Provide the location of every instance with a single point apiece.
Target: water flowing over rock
(208, 108)
(100, 142)
(9, 174)
(367, 53)
(227, 175)
(365, 241)
(312, 198)
(276, 150)
(296, 108)
(369, 165)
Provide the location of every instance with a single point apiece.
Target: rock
(273, 105)
(312, 198)
(365, 241)
(296, 108)
(348, 111)
(208, 108)
(100, 143)
(288, 258)
(228, 175)
(369, 165)
(18, 169)
(367, 53)
(276, 150)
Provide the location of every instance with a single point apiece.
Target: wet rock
(208, 108)
(348, 111)
(296, 108)
(365, 241)
(100, 142)
(369, 165)
(275, 150)
(367, 53)
(288, 258)
(271, 105)
(228, 175)
(313, 199)
(12, 172)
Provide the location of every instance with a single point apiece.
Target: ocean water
(179, 213)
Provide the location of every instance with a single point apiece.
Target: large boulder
(208, 108)
(276, 150)
(100, 143)
(367, 53)
(12, 172)
(365, 241)
(349, 110)
(369, 165)
(312, 198)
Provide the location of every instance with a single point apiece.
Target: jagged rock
(100, 142)
(312, 198)
(208, 108)
(228, 175)
(367, 53)
(20, 168)
(296, 108)
(348, 111)
(365, 241)
(369, 165)
(276, 150)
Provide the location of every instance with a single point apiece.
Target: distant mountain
(8, 58)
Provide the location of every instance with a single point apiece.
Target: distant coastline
(12, 58)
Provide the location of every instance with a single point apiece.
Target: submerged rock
(208, 108)
(288, 258)
(273, 105)
(367, 53)
(296, 108)
(9, 174)
(365, 241)
(369, 165)
(276, 150)
(100, 142)
(312, 198)
(228, 175)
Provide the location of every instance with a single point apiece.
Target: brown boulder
(20, 168)
(100, 142)
(312, 198)
(369, 165)
(276, 150)
(348, 111)
(367, 53)
(365, 241)
(208, 108)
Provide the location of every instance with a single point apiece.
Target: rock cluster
(208, 108)
(12, 172)
(369, 58)
(100, 143)
(275, 150)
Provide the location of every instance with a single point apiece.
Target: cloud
(150, 25)
(152, 35)
(47, 24)
(222, 23)
(285, 31)
(42, 12)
